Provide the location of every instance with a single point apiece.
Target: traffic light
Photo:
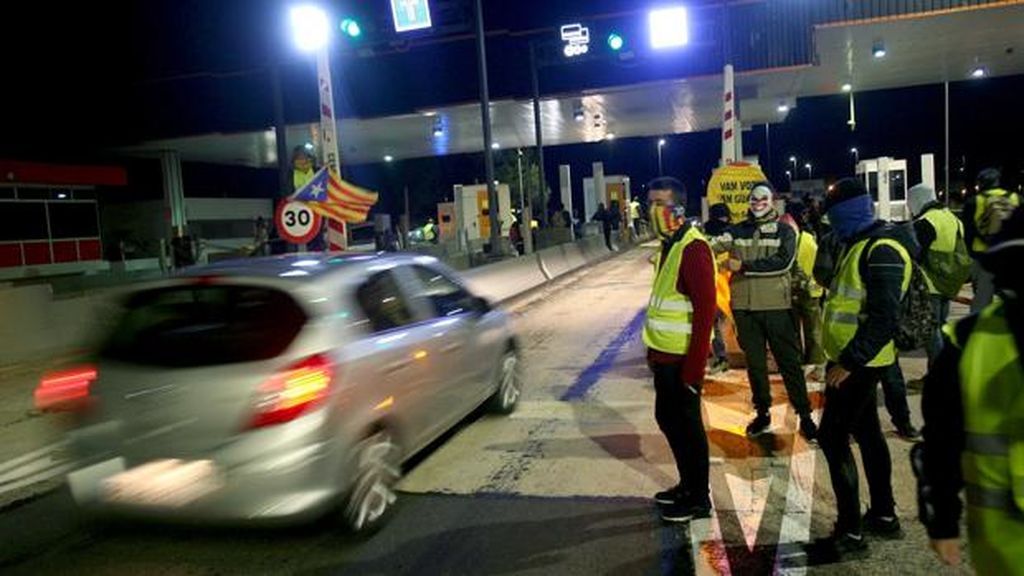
(616, 42)
(350, 27)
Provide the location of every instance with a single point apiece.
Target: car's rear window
(204, 325)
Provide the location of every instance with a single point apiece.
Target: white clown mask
(760, 201)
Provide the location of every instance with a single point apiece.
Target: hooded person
(761, 254)
(943, 255)
(860, 322)
(677, 333)
(973, 403)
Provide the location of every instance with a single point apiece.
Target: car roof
(303, 266)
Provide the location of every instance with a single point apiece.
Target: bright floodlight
(847, 87)
(495, 145)
(783, 108)
(668, 27)
(609, 136)
(661, 142)
(388, 158)
(978, 72)
(309, 27)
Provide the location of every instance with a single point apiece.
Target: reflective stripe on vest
(669, 314)
(980, 245)
(846, 299)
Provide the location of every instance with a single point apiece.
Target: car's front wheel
(510, 384)
(379, 468)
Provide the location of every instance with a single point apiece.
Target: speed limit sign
(296, 221)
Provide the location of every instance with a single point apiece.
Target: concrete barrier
(503, 280)
(33, 324)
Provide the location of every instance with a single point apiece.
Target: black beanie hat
(844, 190)
(718, 211)
(989, 178)
(796, 209)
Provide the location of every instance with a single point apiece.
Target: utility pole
(485, 117)
(537, 130)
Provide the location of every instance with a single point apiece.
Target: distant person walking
(983, 216)
(605, 218)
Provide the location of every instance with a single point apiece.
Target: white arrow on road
(749, 497)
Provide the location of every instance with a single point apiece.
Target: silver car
(281, 388)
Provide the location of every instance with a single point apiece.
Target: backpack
(998, 208)
(917, 323)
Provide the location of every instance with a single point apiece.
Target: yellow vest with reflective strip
(992, 386)
(947, 226)
(669, 321)
(846, 299)
(806, 251)
(980, 245)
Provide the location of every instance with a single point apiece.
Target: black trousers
(677, 411)
(852, 409)
(758, 329)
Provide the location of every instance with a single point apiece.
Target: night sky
(86, 77)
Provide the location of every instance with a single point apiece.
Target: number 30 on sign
(296, 221)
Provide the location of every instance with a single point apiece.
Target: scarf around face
(850, 217)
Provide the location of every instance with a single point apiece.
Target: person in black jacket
(861, 319)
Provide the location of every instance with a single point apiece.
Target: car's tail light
(66, 389)
(293, 391)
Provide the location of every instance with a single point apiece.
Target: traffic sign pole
(337, 235)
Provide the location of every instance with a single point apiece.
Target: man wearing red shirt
(677, 332)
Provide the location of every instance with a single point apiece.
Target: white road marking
(16, 462)
(749, 498)
(37, 466)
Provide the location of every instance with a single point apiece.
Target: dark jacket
(767, 249)
(882, 272)
(715, 227)
(923, 229)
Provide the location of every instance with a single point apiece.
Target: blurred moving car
(280, 388)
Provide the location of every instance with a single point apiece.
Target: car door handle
(397, 366)
(447, 348)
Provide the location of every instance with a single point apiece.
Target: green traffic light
(351, 28)
(615, 42)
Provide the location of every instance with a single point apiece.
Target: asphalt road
(560, 487)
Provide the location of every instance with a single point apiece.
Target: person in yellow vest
(983, 215)
(807, 292)
(430, 231)
(861, 318)
(944, 256)
(973, 408)
(677, 333)
(303, 167)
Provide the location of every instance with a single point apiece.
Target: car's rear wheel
(379, 468)
(510, 384)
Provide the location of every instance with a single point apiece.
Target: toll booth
(616, 189)
(472, 213)
(886, 180)
(446, 221)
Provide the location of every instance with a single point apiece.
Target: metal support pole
(538, 132)
(768, 149)
(284, 180)
(660, 171)
(525, 218)
(406, 219)
(485, 117)
(946, 163)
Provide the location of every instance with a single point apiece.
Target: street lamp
(856, 157)
(792, 160)
(808, 167)
(789, 175)
(661, 144)
(309, 27)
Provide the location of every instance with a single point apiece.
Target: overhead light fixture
(577, 111)
(847, 87)
(662, 142)
(308, 146)
(878, 49)
(438, 128)
(668, 27)
(609, 136)
(388, 158)
(495, 145)
(310, 30)
(979, 72)
(783, 108)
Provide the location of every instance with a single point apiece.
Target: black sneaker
(670, 496)
(884, 526)
(908, 432)
(847, 546)
(808, 429)
(759, 425)
(718, 366)
(684, 512)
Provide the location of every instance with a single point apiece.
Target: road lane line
(20, 460)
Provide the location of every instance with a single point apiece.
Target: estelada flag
(334, 198)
